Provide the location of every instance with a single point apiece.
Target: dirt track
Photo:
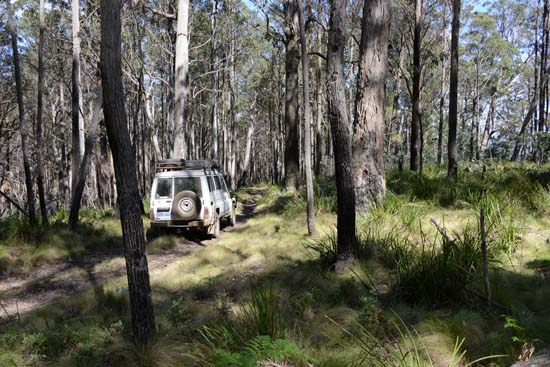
(46, 284)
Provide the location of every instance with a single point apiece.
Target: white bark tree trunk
(181, 87)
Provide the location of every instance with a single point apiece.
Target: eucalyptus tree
(307, 124)
(181, 82)
(292, 63)
(76, 95)
(416, 121)
(452, 163)
(22, 117)
(368, 137)
(340, 127)
(40, 115)
(139, 288)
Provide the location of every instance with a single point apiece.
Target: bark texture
(76, 97)
(39, 117)
(181, 87)
(368, 137)
(307, 125)
(84, 165)
(452, 168)
(22, 122)
(292, 63)
(139, 288)
(416, 129)
(340, 127)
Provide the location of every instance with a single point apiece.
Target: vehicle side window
(227, 181)
(164, 188)
(211, 186)
(224, 186)
(218, 183)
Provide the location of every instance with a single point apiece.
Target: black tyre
(186, 205)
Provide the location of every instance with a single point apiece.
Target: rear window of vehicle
(164, 188)
(187, 184)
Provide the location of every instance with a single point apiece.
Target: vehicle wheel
(232, 218)
(214, 230)
(186, 205)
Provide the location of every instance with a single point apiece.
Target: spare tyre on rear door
(186, 205)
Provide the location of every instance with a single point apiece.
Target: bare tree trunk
(442, 93)
(181, 87)
(307, 125)
(417, 71)
(139, 288)
(543, 65)
(368, 137)
(39, 117)
(76, 112)
(83, 170)
(519, 144)
(22, 123)
(214, 85)
(341, 135)
(247, 153)
(319, 142)
(292, 63)
(452, 169)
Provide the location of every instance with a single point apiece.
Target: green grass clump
(263, 349)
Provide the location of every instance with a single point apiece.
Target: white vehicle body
(190, 195)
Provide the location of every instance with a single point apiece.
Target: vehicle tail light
(206, 213)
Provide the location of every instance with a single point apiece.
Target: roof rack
(166, 165)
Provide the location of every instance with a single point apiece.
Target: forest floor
(265, 291)
(47, 283)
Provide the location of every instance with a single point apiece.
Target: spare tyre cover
(186, 205)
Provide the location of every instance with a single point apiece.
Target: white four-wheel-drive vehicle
(191, 194)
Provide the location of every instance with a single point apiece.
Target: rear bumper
(180, 223)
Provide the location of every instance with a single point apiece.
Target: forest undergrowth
(266, 293)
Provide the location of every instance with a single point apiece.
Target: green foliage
(325, 249)
(262, 348)
(430, 273)
(179, 313)
(263, 316)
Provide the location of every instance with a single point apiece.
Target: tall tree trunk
(319, 142)
(139, 288)
(86, 160)
(292, 63)
(76, 112)
(341, 135)
(442, 93)
(39, 117)
(368, 137)
(452, 168)
(22, 123)
(307, 124)
(416, 118)
(519, 144)
(181, 87)
(213, 85)
(543, 66)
